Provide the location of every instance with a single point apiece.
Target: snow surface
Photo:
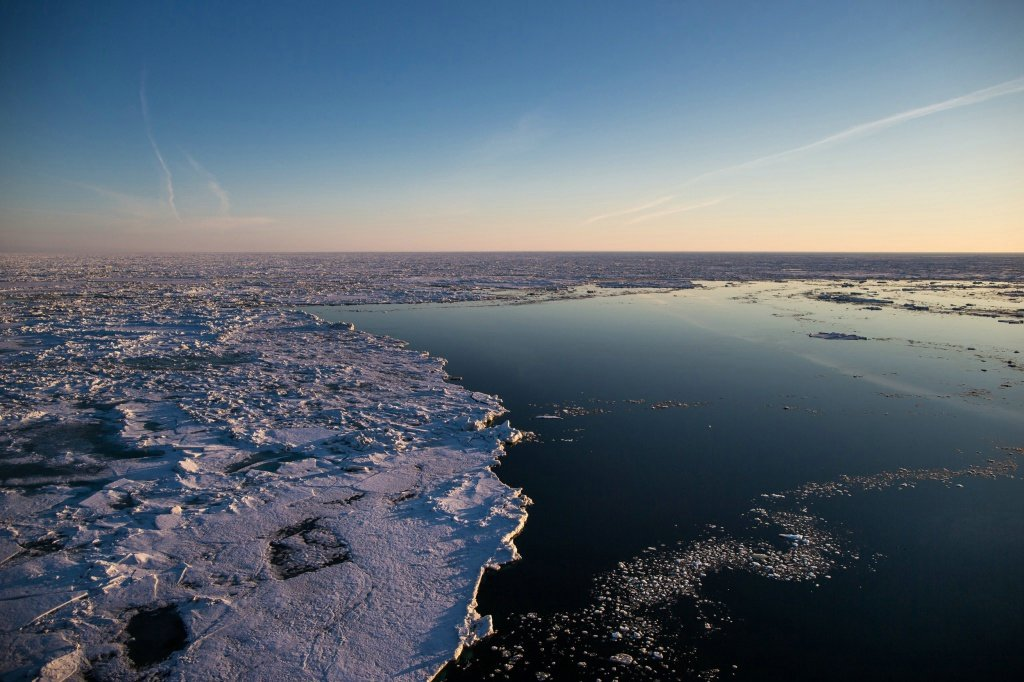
(313, 501)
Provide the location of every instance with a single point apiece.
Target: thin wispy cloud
(126, 205)
(1010, 87)
(864, 129)
(212, 184)
(677, 209)
(222, 221)
(633, 209)
(140, 213)
(168, 180)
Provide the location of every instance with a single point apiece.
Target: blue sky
(869, 126)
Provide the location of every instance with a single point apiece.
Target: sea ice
(182, 447)
(306, 498)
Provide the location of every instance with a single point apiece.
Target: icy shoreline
(303, 499)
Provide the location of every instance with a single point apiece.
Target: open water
(677, 413)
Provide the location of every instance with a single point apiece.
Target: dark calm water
(752, 405)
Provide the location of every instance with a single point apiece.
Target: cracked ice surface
(309, 500)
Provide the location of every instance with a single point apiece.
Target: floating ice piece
(795, 538)
(477, 627)
(837, 336)
(506, 433)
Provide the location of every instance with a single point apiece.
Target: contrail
(627, 211)
(678, 209)
(977, 97)
(1010, 87)
(168, 181)
(212, 184)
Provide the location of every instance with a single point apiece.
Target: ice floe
(276, 495)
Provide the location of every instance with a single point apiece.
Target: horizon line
(157, 252)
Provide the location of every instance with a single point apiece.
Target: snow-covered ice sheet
(300, 499)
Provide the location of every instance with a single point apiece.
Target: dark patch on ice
(155, 634)
(405, 496)
(47, 544)
(38, 474)
(854, 298)
(347, 500)
(305, 547)
(271, 466)
(265, 460)
(123, 501)
(54, 439)
(55, 451)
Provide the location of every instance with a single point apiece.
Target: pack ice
(198, 484)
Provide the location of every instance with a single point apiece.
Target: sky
(512, 126)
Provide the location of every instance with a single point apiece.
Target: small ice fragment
(837, 336)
